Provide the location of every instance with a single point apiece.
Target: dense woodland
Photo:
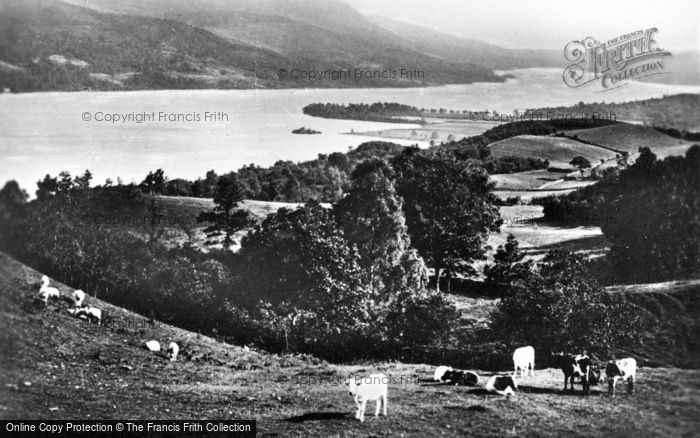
(345, 282)
(655, 207)
(678, 112)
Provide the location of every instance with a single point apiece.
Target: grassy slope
(81, 369)
(559, 151)
(627, 137)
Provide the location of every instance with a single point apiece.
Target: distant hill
(557, 150)
(453, 47)
(134, 44)
(679, 111)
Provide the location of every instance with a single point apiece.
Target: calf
(524, 360)
(364, 389)
(579, 365)
(504, 385)
(624, 369)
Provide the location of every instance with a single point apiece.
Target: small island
(304, 130)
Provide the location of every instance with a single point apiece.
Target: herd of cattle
(93, 314)
(572, 365)
(374, 387)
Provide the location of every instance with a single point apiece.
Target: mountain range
(154, 44)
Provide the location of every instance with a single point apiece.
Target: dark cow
(578, 365)
(504, 385)
(462, 378)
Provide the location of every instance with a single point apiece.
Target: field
(629, 138)
(439, 131)
(559, 151)
(87, 371)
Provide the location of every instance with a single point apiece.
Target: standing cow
(579, 365)
(623, 369)
(524, 360)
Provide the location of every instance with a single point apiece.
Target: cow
(462, 378)
(364, 389)
(624, 369)
(524, 360)
(440, 372)
(504, 385)
(579, 365)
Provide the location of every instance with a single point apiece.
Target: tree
(372, 218)
(581, 163)
(449, 209)
(223, 220)
(154, 183)
(46, 187)
(508, 268)
(304, 278)
(83, 182)
(561, 307)
(663, 242)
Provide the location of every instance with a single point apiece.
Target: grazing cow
(579, 365)
(364, 389)
(524, 359)
(463, 378)
(623, 369)
(439, 375)
(78, 298)
(173, 350)
(46, 292)
(504, 385)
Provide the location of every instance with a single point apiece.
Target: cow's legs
(630, 385)
(363, 405)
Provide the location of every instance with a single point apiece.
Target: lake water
(44, 133)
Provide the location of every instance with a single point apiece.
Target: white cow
(46, 292)
(78, 298)
(524, 359)
(153, 345)
(370, 388)
(623, 369)
(173, 350)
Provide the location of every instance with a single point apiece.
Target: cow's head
(613, 370)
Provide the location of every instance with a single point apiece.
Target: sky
(548, 24)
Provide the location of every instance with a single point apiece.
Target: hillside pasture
(558, 150)
(59, 367)
(629, 138)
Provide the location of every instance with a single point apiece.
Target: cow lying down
(455, 377)
(92, 314)
(504, 385)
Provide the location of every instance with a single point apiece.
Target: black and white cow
(577, 365)
(623, 369)
(462, 378)
(504, 385)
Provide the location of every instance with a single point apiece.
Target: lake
(44, 133)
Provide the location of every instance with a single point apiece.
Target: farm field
(104, 370)
(629, 138)
(559, 151)
(458, 129)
